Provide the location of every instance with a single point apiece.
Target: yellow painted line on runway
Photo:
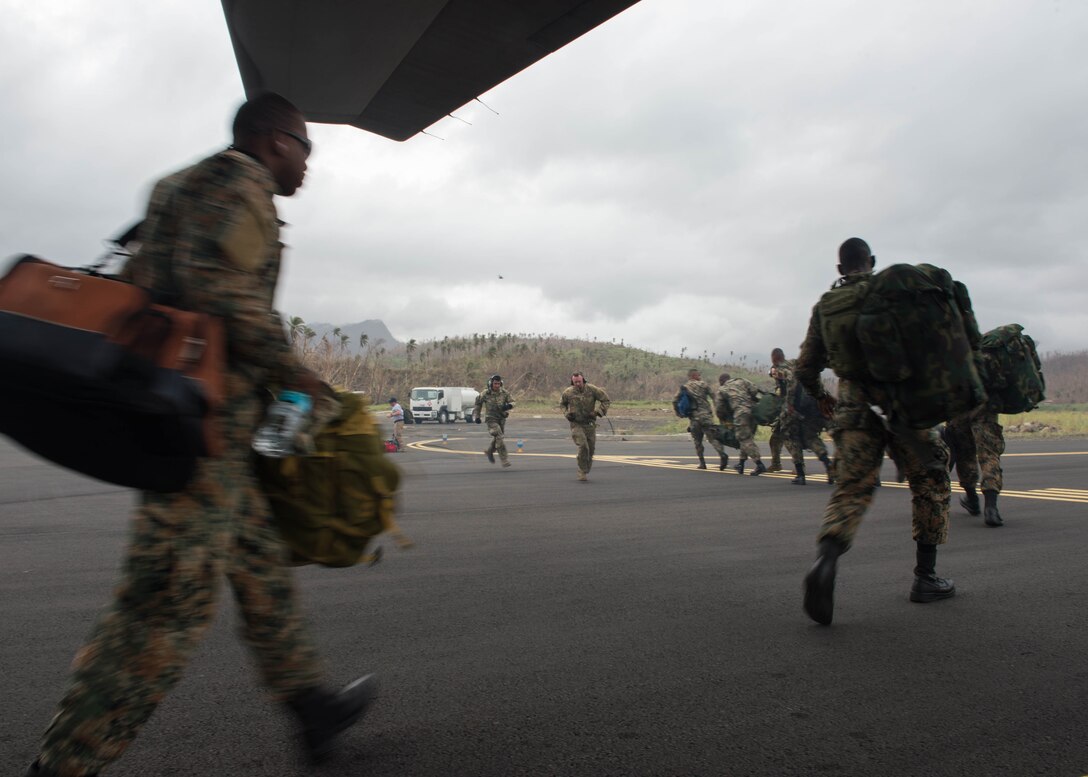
(1073, 495)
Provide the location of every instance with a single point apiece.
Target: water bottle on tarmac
(275, 438)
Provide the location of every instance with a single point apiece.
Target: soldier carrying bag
(97, 377)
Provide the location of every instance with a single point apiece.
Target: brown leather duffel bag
(97, 377)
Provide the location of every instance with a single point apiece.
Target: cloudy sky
(679, 177)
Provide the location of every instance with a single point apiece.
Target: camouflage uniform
(489, 406)
(798, 432)
(702, 417)
(585, 404)
(776, 438)
(211, 238)
(775, 442)
(742, 395)
(860, 439)
(977, 443)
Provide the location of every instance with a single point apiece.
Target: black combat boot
(724, 463)
(820, 582)
(927, 586)
(830, 470)
(490, 455)
(324, 714)
(992, 517)
(969, 501)
(702, 462)
(760, 468)
(799, 474)
(739, 467)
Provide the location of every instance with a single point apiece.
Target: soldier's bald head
(273, 131)
(263, 114)
(855, 256)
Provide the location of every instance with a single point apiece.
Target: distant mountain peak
(373, 328)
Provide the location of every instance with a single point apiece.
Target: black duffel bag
(97, 377)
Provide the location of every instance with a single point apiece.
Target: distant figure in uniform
(396, 412)
(860, 440)
(583, 403)
(701, 417)
(211, 238)
(742, 396)
(493, 405)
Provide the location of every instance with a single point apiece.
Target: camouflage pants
(978, 443)
(745, 428)
(585, 437)
(860, 453)
(181, 545)
(776, 442)
(496, 429)
(704, 427)
(798, 436)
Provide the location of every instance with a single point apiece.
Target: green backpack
(329, 503)
(767, 409)
(839, 310)
(1011, 370)
(911, 333)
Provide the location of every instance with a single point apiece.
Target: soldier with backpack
(1013, 377)
(800, 424)
(740, 396)
(693, 401)
(900, 347)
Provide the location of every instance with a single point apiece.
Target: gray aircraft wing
(394, 67)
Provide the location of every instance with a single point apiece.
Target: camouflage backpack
(329, 503)
(1011, 370)
(913, 336)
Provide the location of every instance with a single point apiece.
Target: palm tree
(296, 327)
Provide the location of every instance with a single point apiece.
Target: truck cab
(444, 404)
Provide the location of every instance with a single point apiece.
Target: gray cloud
(680, 177)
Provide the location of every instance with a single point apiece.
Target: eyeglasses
(307, 144)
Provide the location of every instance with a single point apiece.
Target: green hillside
(533, 366)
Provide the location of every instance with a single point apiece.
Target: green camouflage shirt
(210, 243)
(742, 394)
(581, 401)
(491, 404)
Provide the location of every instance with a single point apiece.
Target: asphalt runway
(647, 622)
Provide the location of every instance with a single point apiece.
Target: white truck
(444, 404)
